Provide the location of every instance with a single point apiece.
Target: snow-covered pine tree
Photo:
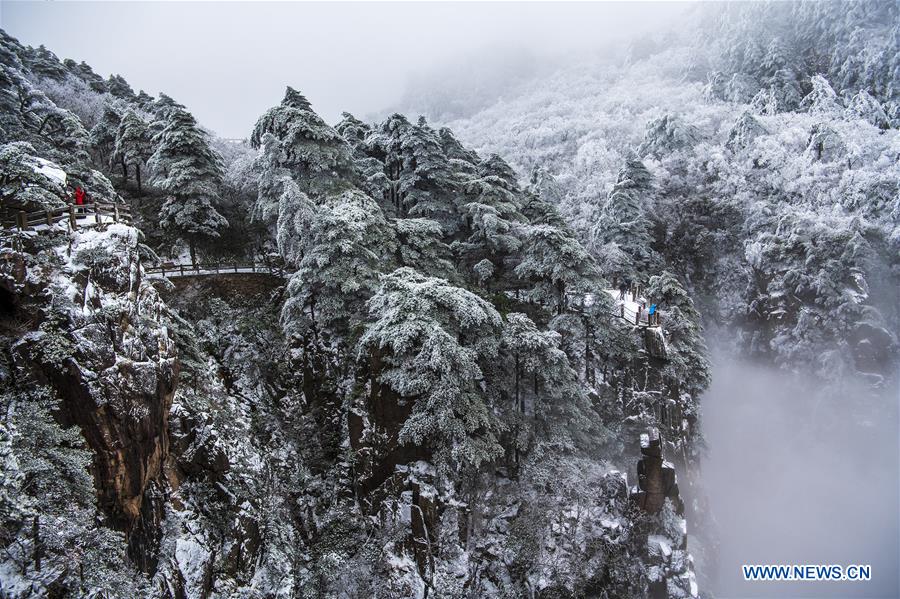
(433, 341)
(686, 348)
(420, 246)
(454, 150)
(866, 107)
(666, 135)
(63, 135)
(429, 189)
(624, 221)
(822, 100)
(84, 72)
(120, 88)
(48, 506)
(556, 265)
(23, 183)
(745, 130)
(133, 144)
(387, 145)
(44, 63)
(316, 155)
(348, 241)
(490, 218)
(103, 134)
(546, 408)
(163, 104)
(296, 222)
(144, 101)
(190, 172)
(353, 130)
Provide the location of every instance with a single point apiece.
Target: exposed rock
(655, 343)
(671, 569)
(99, 345)
(656, 477)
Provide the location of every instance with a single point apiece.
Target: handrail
(637, 318)
(77, 215)
(173, 269)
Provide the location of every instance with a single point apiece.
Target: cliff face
(80, 323)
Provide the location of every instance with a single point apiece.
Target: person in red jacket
(79, 196)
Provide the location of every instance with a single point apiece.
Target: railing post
(116, 212)
(181, 269)
(96, 213)
(622, 311)
(23, 220)
(637, 317)
(47, 217)
(235, 267)
(73, 221)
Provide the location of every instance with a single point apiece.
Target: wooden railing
(170, 270)
(642, 318)
(87, 215)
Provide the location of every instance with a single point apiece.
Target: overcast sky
(228, 62)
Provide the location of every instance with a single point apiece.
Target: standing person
(79, 196)
(622, 288)
(651, 313)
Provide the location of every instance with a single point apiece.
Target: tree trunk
(137, 175)
(588, 361)
(36, 539)
(561, 297)
(193, 253)
(124, 170)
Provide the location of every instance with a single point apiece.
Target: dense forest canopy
(760, 167)
(435, 387)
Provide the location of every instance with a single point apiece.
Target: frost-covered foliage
(86, 366)
(432, 340)
(790, 43)
(48, 509)
(349, 241)
(28, 182)
(28, 114)
(440, 398)
(623, 221)
(453, 320)
(186, 168)
(77, 96)
(790, 138)
(133, 144)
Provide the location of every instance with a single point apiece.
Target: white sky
(230, 61)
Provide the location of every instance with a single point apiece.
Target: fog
(796, 477)
(229, 61)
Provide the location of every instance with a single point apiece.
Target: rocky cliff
(82, 328)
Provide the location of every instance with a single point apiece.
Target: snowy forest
(462, 348)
